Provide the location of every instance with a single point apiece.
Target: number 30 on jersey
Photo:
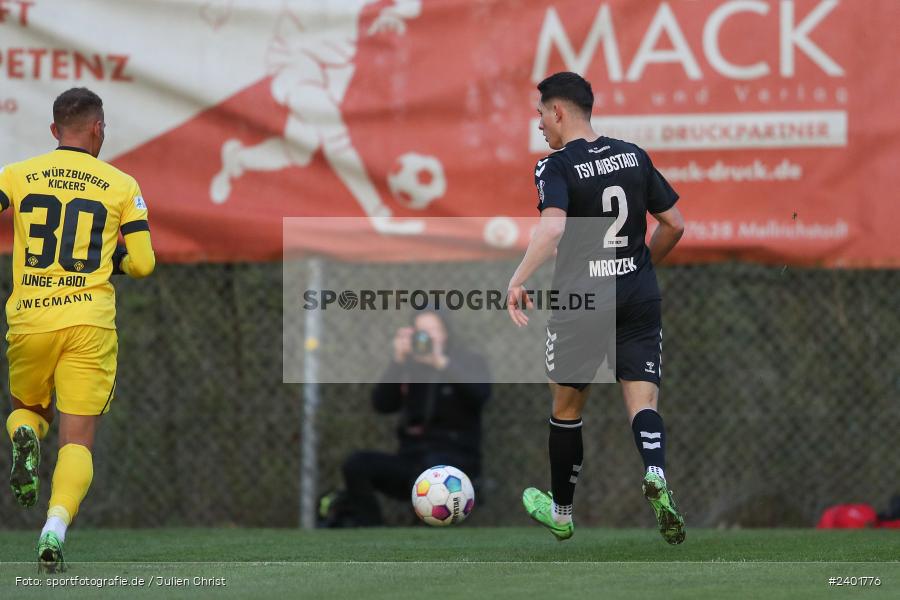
(46, 232)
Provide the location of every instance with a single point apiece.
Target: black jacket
(442, 408)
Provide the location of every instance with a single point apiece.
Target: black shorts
(576, 348)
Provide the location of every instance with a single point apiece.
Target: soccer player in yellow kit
(69, 208)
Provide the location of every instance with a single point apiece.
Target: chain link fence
(780, 395)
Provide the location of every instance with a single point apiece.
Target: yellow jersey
(69, 208)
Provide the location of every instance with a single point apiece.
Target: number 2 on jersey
(611, 240)
(46, 232)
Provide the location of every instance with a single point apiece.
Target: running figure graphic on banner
(311, 59)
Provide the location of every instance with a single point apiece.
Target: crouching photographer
(439, 389)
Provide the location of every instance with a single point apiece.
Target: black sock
(650, 439)
(566, 453)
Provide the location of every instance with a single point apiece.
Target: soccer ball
(417, 180)
(443, 496)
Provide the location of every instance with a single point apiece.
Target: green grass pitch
(470, 563)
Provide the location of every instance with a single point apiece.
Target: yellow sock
(23, 416)
(71, 480)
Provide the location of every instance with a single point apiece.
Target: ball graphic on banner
(417, 180)
(501, 232)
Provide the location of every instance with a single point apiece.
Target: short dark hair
(76, 105)
(568, 86)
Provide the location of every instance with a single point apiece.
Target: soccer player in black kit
(595, 176)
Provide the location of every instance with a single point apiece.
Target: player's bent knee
(567, 411)
(568, 401)
(41, 407)
(639, 391)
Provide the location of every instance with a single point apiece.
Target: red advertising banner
(772, 119)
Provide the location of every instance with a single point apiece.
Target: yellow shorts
(80, 362)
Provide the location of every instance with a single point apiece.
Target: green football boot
(50, 554)
(26, 457)
(540, 507)
(671, 523)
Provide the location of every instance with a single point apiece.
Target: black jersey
(604, 178)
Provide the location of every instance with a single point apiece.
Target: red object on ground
(849, 516)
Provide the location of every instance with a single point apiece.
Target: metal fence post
(309, 472)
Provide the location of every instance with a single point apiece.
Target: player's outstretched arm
(541, 248)
(140, 260)
(670, 230)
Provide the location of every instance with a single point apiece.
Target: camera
(421, 343)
